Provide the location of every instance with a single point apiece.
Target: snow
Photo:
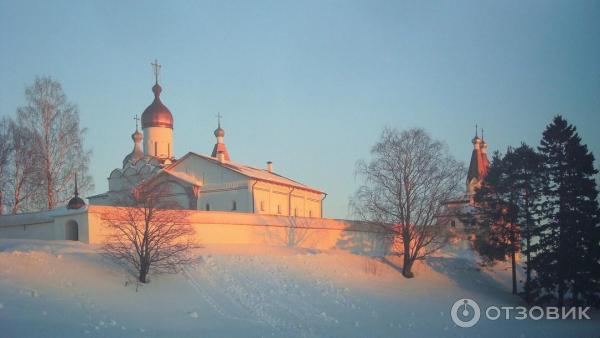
(68, 289)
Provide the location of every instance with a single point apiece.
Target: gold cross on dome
(137, 119)
(219, 116)
(156, 67)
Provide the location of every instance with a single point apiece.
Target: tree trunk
(514, 271)
(408, 262)
(561, 292)
(528, 272)
(407, 267)
(144, 268)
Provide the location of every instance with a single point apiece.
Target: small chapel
(198, 181)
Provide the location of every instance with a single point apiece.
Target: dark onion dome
(76, 202)
(219, 132)
(157, 114)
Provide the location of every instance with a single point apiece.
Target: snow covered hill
(68, 289)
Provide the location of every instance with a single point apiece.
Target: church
(463, 212)
(202, 182)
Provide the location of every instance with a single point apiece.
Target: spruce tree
(566, 255)
(508, 201)
(524, 166)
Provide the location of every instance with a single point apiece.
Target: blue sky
(309, 85)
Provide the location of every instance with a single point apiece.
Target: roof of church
(220, 148)
(251, 172)
(157, 114)
(76, 202)
(479, 162)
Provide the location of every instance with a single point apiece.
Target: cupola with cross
(157, 124)
(220, 150)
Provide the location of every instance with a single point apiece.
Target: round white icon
(462, 310)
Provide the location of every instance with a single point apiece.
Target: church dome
(219, 132)
(137, 152)
(76, 203)
(157, 114)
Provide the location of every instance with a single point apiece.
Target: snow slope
(68, 289)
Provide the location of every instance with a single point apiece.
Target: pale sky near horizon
(310, 84)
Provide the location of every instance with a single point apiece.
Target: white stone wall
(213, 228)
(162, 137)
(46, 225)
(222, 197)
(274, 199)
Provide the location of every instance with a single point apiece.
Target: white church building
(202, 182)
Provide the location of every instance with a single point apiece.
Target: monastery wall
(214, 227)
(217, 227)
(58, 224)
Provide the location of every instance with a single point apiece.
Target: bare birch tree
(149, 234)
(6, 152)
(54, 125)
(24, 178)
(404, 185)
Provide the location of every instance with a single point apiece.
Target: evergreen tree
(499, 234)
(566, 257)
(524, 167)
(509, 200)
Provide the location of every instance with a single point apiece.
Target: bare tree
(53, 123)
(24, 177)
(149, 234)
(405, 183)
(6, 152)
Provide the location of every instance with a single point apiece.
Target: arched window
(278, 208)
(207, 207)
(234, 207)
(262, 205)
(155, 148)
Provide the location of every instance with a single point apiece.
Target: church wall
(275, 199)
(223, 198)
(176, 194)
(163, 137)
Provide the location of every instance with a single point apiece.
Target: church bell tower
(157, 125)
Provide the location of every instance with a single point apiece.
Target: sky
(310, 85)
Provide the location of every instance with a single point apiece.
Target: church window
(295, 211)
(453, 224)
(234, 208)
(207, 206)
(278, 208)
(310, 213)
(155, 148)
(262, 205)
(168, 149)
